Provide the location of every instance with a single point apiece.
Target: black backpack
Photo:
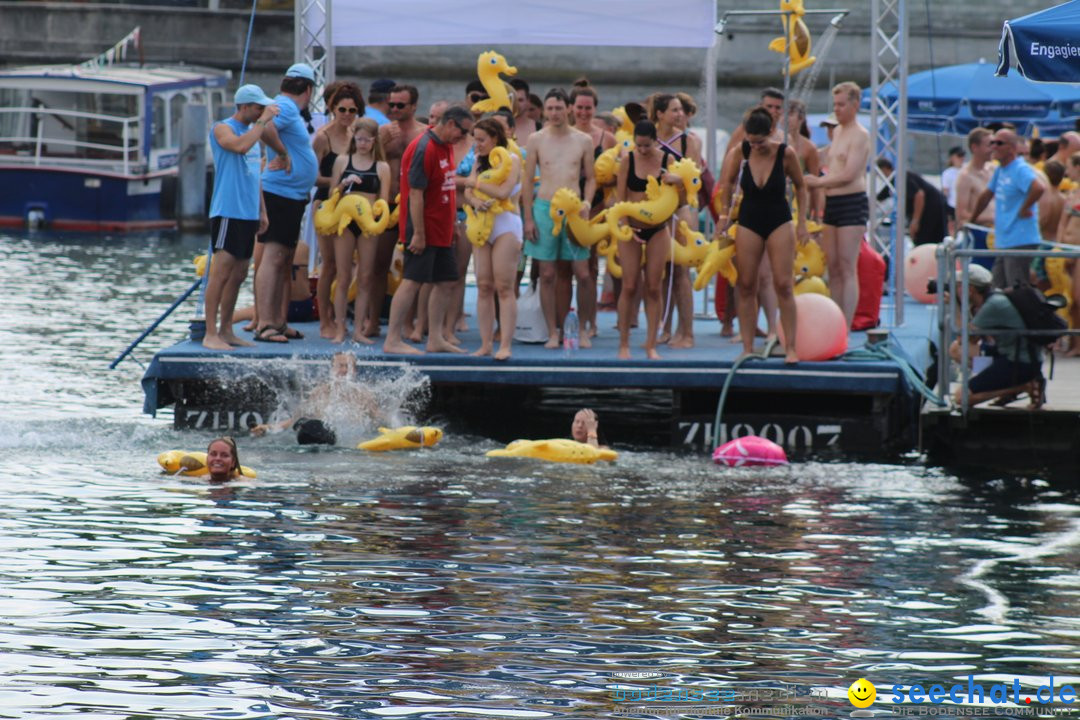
(1039, 313)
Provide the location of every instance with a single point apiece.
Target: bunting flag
(117, 53)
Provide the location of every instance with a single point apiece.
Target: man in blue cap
(237, 213)
(378, 102)
(287, 182)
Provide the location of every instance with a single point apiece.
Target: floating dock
(860, 406)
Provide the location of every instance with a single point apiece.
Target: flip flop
(268, 335)
(290, 333)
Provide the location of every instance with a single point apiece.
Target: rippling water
(448, 585)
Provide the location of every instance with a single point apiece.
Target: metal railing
(36, 144)
(954, 305)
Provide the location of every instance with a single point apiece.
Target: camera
(931, 286)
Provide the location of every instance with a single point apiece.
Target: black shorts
(846, 210)
(1002, 374)
(237, 237)
(301, 310)
(434, 265)
(285, 215)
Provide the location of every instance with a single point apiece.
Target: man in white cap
(237, 213)
(287, 182)
(1015, 363)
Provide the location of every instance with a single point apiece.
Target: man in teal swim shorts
(563, 155)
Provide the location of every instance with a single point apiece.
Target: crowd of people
(428, 169)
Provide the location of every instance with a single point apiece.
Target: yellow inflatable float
(402, 438)
(661, 200)
(392, 222)
(336, 212)
(718, 259)
(1060, 283)
(796, 40)
(478, 223)
(566, 207)
(489, 66)
(557, 450)
(191, 464)
(693, 253)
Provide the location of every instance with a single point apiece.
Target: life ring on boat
(191, 464)
(558, 450)
(402, 438)
(749, 451)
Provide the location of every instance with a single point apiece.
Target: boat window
(104, 128)
(176, 113)
(14, 126)
(161, 122)
(219, 110)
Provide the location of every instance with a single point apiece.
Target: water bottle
(570, 333)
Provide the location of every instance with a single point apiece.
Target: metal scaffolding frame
(312, 44)
(888, 132)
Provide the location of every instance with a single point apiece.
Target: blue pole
(247, 43)
(157, 322)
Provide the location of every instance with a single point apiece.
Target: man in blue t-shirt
(1015, 189)
(237, 213)
(287, 182)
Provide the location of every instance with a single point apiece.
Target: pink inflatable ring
(748, 451)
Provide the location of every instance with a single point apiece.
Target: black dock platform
(861, 405)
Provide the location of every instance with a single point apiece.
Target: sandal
(290, 333)
(270, 334)
(1037, 392)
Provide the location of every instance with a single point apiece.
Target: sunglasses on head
(351, 111)
(398, 105)
(477, 97)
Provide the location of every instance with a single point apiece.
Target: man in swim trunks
(847, 207)
(563, 155)
(395, 136)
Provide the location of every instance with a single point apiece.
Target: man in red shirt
(428, 211)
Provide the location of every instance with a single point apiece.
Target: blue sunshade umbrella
(957, 98)
(1043, 46)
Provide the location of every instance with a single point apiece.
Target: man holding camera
(1015, 363)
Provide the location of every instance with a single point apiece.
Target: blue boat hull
(87, 200)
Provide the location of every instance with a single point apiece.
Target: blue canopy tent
(1043, 46)
(957, 98)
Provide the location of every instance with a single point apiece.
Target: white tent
(634, 23)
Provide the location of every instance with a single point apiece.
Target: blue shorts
(1003, 374)
(549, 246)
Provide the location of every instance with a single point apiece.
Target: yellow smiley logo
(862, 693)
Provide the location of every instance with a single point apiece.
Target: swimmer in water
(222, 460)
(341, 390)
(585, 428)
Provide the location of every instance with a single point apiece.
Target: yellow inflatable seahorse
(809, 260)
(609, 248)
(566, 207)
(661, 200)
(402, 438)
(191, 464)
(796, 40)
(478, 223)
(607, 166)
(336, 212)
(488, 67)
(392, 222)
(1060, 283)
(718, 259)
(693, 253)
(624, 136)
(556, 450)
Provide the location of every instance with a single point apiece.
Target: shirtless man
(970, 183)
(563, 154)
(773, 101)
(1068, 143)
(395, 136)
(1051, 202)
(524, 125)
(847, 207)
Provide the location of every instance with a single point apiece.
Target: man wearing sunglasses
(1015, 189)
(426, 229)
(378, 101)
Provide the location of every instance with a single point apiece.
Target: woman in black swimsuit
(332, 140)
(635, 166)
(362, 171)
(759, 166)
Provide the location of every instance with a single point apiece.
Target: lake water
(446, 585)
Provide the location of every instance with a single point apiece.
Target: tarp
(1043, 46)
(633, 23)
(957, 98)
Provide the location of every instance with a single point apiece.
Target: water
(447, 585)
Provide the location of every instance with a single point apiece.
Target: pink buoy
(749, 450)
(920, 265)
(820, 328)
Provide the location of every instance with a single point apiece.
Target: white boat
(96, 148)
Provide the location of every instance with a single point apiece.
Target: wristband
(260, 123)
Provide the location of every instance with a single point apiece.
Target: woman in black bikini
(636, 165)
(759, 166)
(364, 171)
(332, 140)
